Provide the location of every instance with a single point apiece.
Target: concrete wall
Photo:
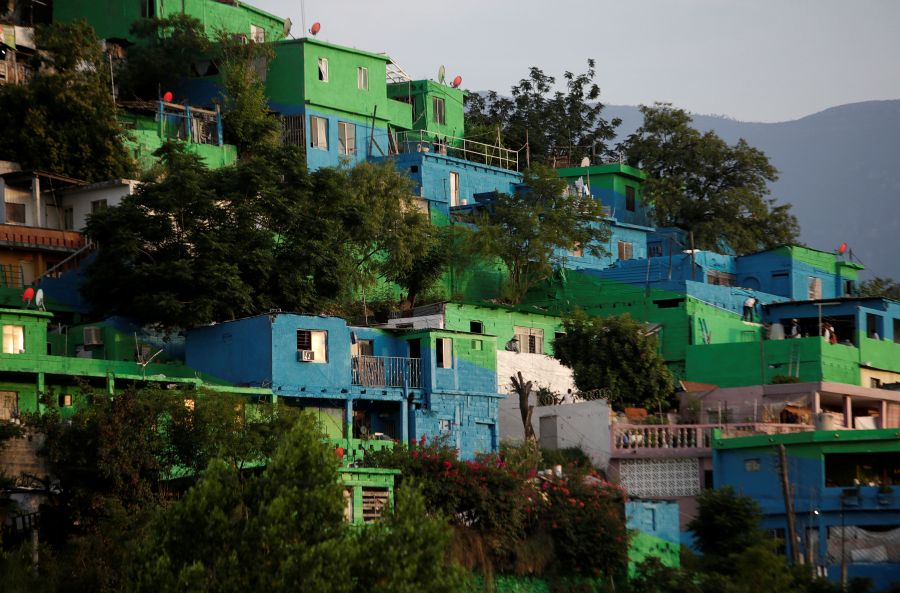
(542, 370)
(238, 351)
(655, 532)
(80, 199)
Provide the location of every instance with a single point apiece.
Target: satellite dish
(442, 74)
(586, 162)
(168, 96)
(456, 82)
(842, 249)
(314, 30)
(28, 295)
(287, 27)
(39, 299)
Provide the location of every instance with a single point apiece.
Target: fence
(387, 371)
(632, 437)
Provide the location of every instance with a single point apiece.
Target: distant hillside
(840, 168)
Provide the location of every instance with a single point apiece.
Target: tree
(64, 119)
(522, 390)
(442, 246)
(531, 230)
(701, 184)
(198, 246)
(166, 50)
(558, 127)
(880, 287)
(726, 524)
(615, 357)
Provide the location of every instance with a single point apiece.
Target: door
(9, 405)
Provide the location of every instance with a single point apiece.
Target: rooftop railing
(477, 152)
(386, 371)
(662, 439)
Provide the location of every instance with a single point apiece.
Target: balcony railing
(477, 152)
(661, 439)
(387, 371)
(40, 238)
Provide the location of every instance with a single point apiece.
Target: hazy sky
(754, 60)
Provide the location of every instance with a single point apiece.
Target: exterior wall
(501, 322)
(635, 235)
(607, 183)
(655, 532)
(543, 371)
(113, 18)
(237, 351)
(421, 93)
(80, 199)
(786, 271)
(750, 465)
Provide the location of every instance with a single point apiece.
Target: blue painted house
(844, 489)
(363, 382)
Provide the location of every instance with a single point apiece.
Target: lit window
(444, 353)
(65, 400)
(323, 69)
(318, 132)
(362, 78)
(312, 345)
(454, 188)
(257, 34)
(13, 339)
(438, 108)
(346, 138)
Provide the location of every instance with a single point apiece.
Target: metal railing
(386, 371)
(477, 152)
(632, 437)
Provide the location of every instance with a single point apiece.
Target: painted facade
(654, 532)
(112, 19)
(364, 382)
(844, 495)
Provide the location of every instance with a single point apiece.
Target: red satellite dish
(168, 96)
(456, 82)
(315, 28)
(340, 452)
(842, 249)
(28, 295)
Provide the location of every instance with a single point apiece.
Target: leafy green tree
(442, 247)
(615, 358)
(726, 524)
(166, 50)
(558, 127)
(199, 246)
(880, 287)
(699, 183)
(531, 230)
(64, 119)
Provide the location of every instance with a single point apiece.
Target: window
(874, 382)
(257, 34)
(444, 353)
(346, 138)
(751, 465)
(626, 250)
(148, 9)
(69, 219)
(65, 400)
(98, 205)
(849, 287)
(814, 291)
(654, 249)
(15, 213)
(292, 130)
(437, 104)
(530, 339)
(870, 469)
(872, 326)
(719, 278)
(454, 188)
(363, 348)
(318, 128)
(323, 69)
(13, 339)
(629, 199)
(477, 345)
(362, 78)
(476, 327)
(312, 345)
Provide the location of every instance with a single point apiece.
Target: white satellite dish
(586, 162)
(39, 299)
(442, 74)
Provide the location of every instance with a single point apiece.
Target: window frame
(630, 199)
(439, 111)
(322, 64)
(257, 33)
(362, 78)
(318, 140)
(454, 188)
(443, 353)
(99, 205)
(13, 336)
(312, 345)
(17, 206)
(625, 250)
(344, 147)
(530, 339)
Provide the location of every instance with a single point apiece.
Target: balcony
(476, 152)
(684, 440)
(27, 237)
(386, 371)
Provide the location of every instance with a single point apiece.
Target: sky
(752, 60)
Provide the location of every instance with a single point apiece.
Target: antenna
(442, 74)
(39, 299)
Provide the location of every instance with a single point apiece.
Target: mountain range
(840, 168)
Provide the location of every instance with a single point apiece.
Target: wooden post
(788, 505)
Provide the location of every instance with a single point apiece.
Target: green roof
(804, 438)
(610, 169)
(353, 50)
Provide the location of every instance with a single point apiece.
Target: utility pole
(788, 505)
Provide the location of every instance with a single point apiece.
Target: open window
(629, 199)
(437, 104)
(444, 353)
(15, 213)
(323, 69)
(362, 78)
(346, 138)
(13, 339)
(626, 250)
(530, 339)
(318, 132)
(312, 345)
